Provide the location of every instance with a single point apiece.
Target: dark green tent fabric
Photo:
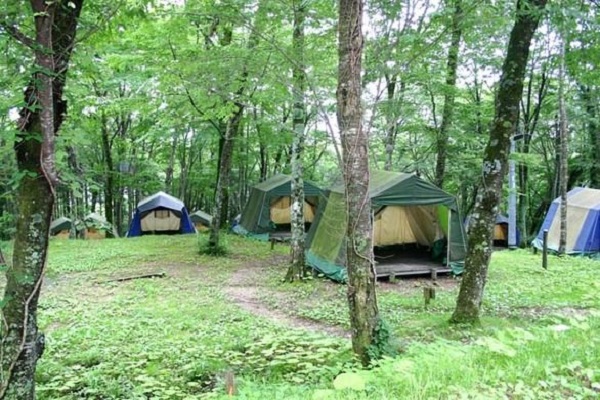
(255, 219)
(201, 217)
(60, 224)
(326, 238)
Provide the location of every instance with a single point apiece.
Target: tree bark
(495, 159)
(297, 267)
(448, 111)
(362, 299)
(223, 180)
(563, 156)
(109, 174)
(22, 344)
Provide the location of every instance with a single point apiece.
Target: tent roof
(60, 223)
(280, 185)
(95, 217)
(399, 188)
(201, 216)
(160, 199)
(582, 197)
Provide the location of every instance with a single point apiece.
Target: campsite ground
(182, 336)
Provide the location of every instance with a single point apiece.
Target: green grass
(178, 337)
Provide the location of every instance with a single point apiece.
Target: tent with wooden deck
(417, 228)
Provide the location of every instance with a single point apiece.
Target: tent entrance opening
(281, 213)
(408, 240)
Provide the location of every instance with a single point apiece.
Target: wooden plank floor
(404, 266)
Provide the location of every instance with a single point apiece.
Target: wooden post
(449, 242)
(433, 274)
(545, 249)
(428, 294)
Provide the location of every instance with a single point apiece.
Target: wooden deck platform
(408, 266)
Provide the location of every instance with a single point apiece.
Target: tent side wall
(326, 244)
(589, 237)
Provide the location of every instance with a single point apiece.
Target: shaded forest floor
(183, 336)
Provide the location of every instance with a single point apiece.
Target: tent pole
(449, 242)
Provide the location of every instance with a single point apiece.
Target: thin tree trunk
(223, 181)
(593, 129)
(495, 161)
(296, 269)
(22, 344)
(109, 173)
(563, 166)
(226, 147)
(448, 111)
(362, 299)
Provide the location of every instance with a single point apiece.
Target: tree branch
(16, 34)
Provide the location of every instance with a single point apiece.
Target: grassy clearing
(181, 336)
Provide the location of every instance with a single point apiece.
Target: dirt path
(244, 289)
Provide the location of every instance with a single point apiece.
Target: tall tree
(362, 299)
(448, 110)
(232, 127)
(495, 159)
(563, 177)
(22, 345)
(296, 268)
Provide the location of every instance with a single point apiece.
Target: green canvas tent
(268, 206)
(61, 227)
(409, 214)
(201, 220)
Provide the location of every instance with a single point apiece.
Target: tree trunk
(296, 269)
(109, 180)
(563, 165)
(362, 299)
(448, 111)
(22, 344)
(223, 181)
(495, 159)
(226, 147)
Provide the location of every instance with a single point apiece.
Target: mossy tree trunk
(495, 161)
(296, 269)
(22, 344)
(362, 299)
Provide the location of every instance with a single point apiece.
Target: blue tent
(160, 213)
(583, 223)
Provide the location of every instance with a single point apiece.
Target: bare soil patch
(244, 288)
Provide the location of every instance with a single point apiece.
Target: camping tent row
(583, 223)
(93, 226)
(409, 214)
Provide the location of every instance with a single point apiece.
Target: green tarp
(326, 238)
(256, 217)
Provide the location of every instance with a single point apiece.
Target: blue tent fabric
(160, 200)
(583, 227)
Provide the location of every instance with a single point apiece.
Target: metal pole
(545, 249)
(512, 200)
